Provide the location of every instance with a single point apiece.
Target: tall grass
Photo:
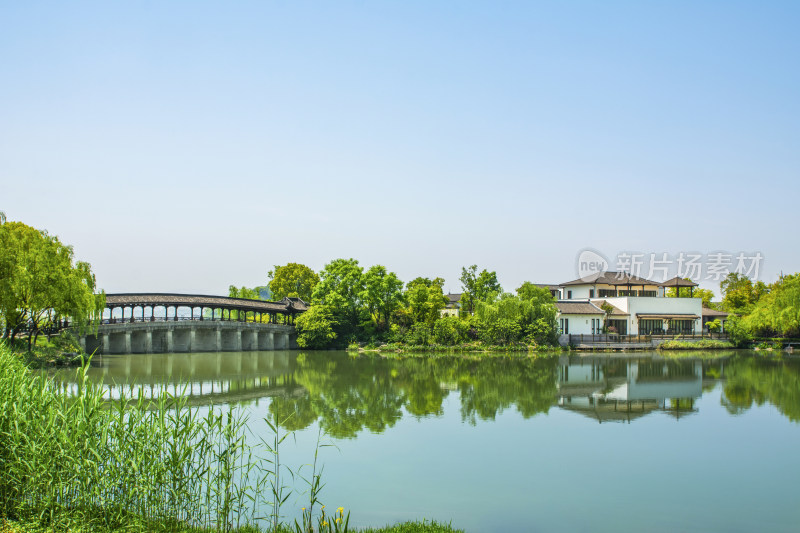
(80, 461)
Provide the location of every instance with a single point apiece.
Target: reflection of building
(612, 389)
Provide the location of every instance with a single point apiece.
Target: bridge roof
(287, 305)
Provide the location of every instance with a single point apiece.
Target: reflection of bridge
(221, 324)
(203, 378)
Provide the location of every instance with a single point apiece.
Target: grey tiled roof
(578, 308)
(615, 311)
(611, 278)
(678, 282)
(201, 300)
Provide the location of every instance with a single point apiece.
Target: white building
(631, 305)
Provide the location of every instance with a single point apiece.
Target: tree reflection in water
(348, 394)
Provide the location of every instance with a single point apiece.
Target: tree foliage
(511, 319)
(315, 328)
(692, 292)
(777, 312)
(477, 287)
(41, 283)
(739, 293)
(425, 299)
(293, 280)
(382, 294)
(341, 288)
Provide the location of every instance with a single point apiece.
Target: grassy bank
(703, 344)
(468, 348)
(81, 463)
(59, 350)
(405, 527)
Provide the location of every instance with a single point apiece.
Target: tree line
(759, 309)
(350, 303)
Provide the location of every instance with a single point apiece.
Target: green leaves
(315, 327)
(40, 282)
(382, 294)
(293, 280)
(478, 287)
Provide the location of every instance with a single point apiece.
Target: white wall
(580, 324)
(650, 305)
(579, 292)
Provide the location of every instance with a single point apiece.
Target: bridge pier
(266, 341)
(171, 337)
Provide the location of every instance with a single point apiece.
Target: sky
(189, 146)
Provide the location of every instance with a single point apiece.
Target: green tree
(293, 280)
(510, 319)
(778, 312)
(477, 287)
(382, 294)
(341, 287)
(450, 331)
(40, 282)
(425, 299)
(242, 292)
(315, 328)
(692, 292)
(739, 293)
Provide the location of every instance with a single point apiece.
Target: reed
(144, 462)
(78, 461)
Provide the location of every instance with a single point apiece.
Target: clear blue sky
(186, 146)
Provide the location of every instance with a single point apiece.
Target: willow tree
(41, 283)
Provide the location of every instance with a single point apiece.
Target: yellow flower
(341, 509)
(304, 508)
(324, 524)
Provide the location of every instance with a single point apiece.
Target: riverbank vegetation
(702, 344)
(41, 287)
(374, 307)
(759, 310)
(79, 462)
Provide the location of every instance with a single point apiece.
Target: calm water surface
(573, 443)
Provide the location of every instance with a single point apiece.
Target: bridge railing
(132, 320)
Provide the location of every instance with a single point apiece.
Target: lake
(610, 442)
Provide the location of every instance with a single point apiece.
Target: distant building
(453, 305)
(636, 306)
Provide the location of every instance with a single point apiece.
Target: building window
(648, 326)
(569, 295)
(607, 293)
(681, 327)
(648, 293)
(591, 293)
(564, 324)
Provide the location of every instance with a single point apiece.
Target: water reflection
(349, 394)
(622, 390)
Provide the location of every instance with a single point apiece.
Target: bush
(450, 331)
